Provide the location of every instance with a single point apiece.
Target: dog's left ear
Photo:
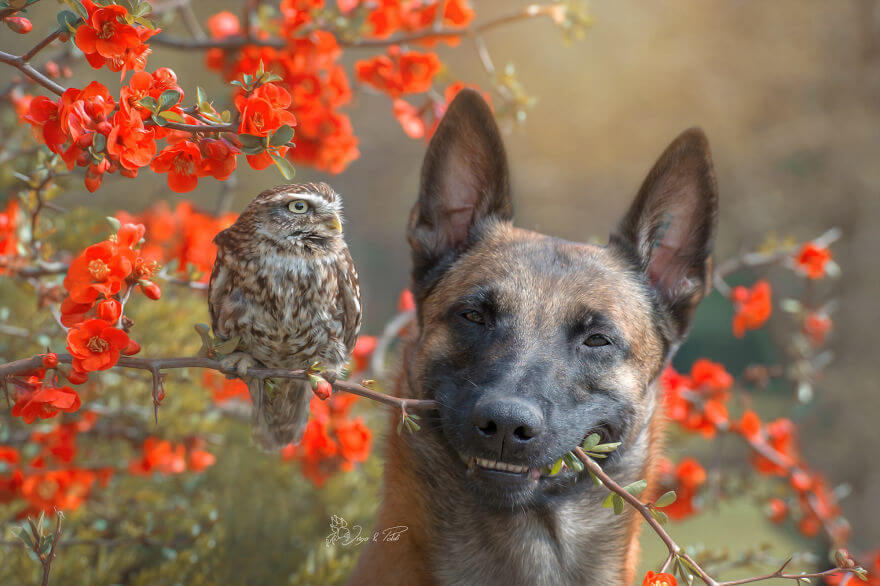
(670, 227)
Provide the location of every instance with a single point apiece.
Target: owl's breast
(293, 318)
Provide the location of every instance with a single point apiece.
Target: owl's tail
(281, 413)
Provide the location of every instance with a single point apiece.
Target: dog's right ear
(464, 184)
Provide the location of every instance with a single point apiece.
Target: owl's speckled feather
(285, 285)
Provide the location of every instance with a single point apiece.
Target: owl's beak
(334, 224)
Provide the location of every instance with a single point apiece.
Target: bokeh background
(787, 92)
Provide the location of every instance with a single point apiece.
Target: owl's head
(299, 214)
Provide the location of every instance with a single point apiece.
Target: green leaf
(171, 115)
(225, 116)
(252, 140)
(168, 99)
(636, 488)
(573, 462)
(604, 448)
(595, 478)
(285, 166)
(201, 98)
(660, 516)
(149, 102)
(556, 467)
(282, 136)
(68, 20)
(666, 499)
(158, 120)
(99, 142)
(609, 500)
(618, 504)
(591, 442)
(114, 223)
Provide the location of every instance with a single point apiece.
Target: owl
(285, 287)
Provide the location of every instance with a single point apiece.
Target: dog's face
(529, 343)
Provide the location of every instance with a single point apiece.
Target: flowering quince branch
(676, 552)
(156, 365)
(42, 544)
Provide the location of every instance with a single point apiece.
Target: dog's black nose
(507, 421)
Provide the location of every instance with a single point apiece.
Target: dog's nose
(508, 421)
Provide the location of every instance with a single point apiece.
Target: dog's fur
(529, 343)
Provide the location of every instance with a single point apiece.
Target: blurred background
(788, 93)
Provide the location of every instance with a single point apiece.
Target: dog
(529, 344)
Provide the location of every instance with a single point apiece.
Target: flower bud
(19, 24)
(132, 348)
(151, 290)
(50, 360)
(109, 310)
(76, 377)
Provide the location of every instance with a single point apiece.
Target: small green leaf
(660, 516)
(573, 462)
(99, 142)
(201, 98)
(68, 20)
(595, 478)
(591, 442)
(168, 99)
(666, 499)
(285, 166)
(618, 504)
(282, 136)
(609, 500)
(149, 102)
(252, 140)
(604, 448)
(171, 115)
(636, 488)
(226, 116)
(114, 223)
(158, 120)
(556, 467)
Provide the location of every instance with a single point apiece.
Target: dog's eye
(596, 340)
(474, 316)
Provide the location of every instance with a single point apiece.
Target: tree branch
(239, 41)
(22, 65)
(156, 365)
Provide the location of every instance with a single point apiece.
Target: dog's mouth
(509, 471)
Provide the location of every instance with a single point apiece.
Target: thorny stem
(47, 560)
(156, 365)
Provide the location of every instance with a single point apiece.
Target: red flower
(106, 39)
(45, 403)
(753, 307)
(223, 24)
(397, 74)
(710, 377)
(782, 438)
(72, 312)
(159, 456)
(8, 227)
(812, 260)
(816, 327)
(363, 351)
(100, 270)
(109, 310)
(8, 455)
(183, 162)
(199, 460)
(777, 510)
(663, 579)
(406, 301)
(750, 426)
(224, 389)
(43, 115)
(130, 142)
(95, 345)
(354, 440)
(219, 158)
(410, 118)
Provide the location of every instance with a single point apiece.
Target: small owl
(285, 286)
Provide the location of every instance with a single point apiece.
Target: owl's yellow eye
(298, 206)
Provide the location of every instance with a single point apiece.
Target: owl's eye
(298, 207)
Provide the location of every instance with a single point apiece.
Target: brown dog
(528, 344)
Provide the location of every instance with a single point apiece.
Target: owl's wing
(221, 297)
(348, 299)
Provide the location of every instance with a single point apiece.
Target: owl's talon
(239, 362)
